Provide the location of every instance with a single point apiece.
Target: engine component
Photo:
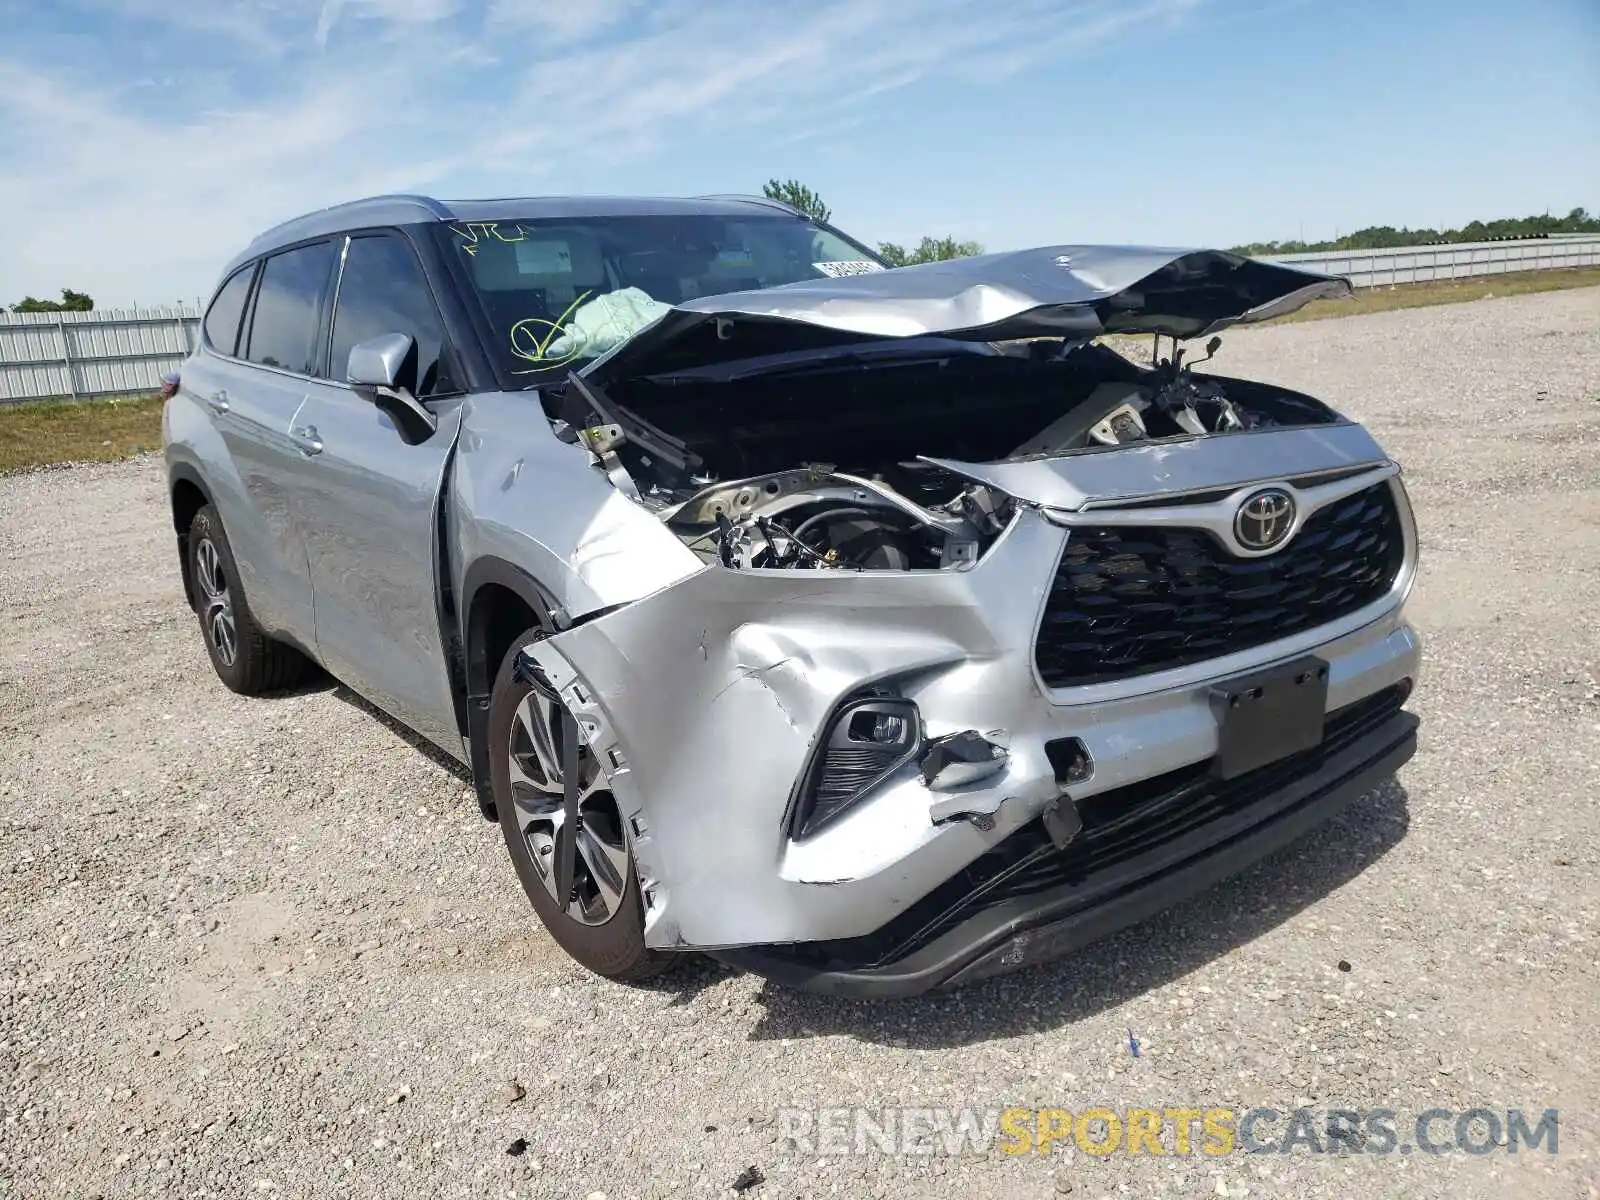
(729, 550)
(891, 508)
(834, 538)
(831, 519)
(740, 497)
(987, 510)
(856, 538)
(1122, 424)
(1071, 430)
(760, 541)
(1198, 408)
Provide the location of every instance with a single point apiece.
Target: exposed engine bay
(819, 460)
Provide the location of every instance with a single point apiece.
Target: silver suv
(874, 630)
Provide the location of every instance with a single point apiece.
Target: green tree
(797, 195)
(926, 251)
(1383, 237)
(70, 301)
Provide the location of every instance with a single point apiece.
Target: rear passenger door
(254, 395)
(369, 499)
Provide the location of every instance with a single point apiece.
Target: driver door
(371, 500)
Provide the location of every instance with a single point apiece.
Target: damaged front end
(949, 675)
(854, 423)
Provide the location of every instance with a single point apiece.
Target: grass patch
(39, 433)
(1445, 291)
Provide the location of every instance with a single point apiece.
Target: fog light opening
(868, 740)
(880, 728)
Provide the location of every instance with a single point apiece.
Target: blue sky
(144, 141)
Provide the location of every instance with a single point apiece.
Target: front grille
(1118, 826)
(1128, 600)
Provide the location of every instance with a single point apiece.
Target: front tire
(600, 921)
(245, 659)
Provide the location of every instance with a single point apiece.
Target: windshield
(560, 292)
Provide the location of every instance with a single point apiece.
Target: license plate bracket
(1269, 715)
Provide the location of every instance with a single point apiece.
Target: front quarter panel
(522, 497)
(713, 693)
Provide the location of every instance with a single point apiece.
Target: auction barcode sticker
(857, 266)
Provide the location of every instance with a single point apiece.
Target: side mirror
(379, 368)
(380, 362)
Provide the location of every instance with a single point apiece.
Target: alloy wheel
(218, 612)
(600, 864)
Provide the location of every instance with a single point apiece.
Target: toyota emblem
(1264, 519)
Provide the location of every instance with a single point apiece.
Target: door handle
(218, 401)
(306, 437)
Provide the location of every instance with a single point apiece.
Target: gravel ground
(266, 946)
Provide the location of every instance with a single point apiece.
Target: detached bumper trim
(1010, 936)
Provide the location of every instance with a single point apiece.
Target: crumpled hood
(1050, 291)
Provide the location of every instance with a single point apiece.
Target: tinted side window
(283, 332)
(222, 320)
(384, 291)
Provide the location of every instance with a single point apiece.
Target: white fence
(107, 352)
(112, 352)
(1459, 260)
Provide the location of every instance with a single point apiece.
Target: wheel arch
(187, 493)
(501, 602)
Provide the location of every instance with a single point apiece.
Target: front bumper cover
(706, 700)
(1270, 808)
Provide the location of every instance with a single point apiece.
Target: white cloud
(257, 25)
(327, 18)
(135, 209)
(395, 12)
(133, 204)
(560, 21)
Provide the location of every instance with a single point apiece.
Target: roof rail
(436, 208)
(764, 201)
(428, 204)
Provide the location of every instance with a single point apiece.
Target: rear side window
(222, 321)
(383, 290)
(286, 321)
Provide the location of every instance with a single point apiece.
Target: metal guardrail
(111, 352)
(1457, 260)
(107, 352)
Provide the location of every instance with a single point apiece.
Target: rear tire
(245, 659)
(601, 922)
